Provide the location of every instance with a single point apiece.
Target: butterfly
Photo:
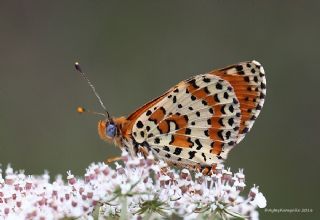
(194, 124)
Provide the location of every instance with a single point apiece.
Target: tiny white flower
(259, 200)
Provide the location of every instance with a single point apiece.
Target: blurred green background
(133, 51)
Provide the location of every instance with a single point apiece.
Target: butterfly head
(107, 130)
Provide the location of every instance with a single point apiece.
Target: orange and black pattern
(197, 122)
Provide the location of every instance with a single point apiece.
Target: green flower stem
(124, 208)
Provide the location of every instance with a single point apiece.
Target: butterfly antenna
(78, 68)
(83, 110)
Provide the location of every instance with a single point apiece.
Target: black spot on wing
(245, 130)
(157, 140)
(258, 107)
(222, 109)
(219, 86)
(191, 154)
(193, 83)
(207, 80)
(166, 148)
(199, 145)
(216, 98)
(221, 122)
(149, 112)
(231, 108)
(225, 95)
(150, 135)
(172, 139)
(163, 110)
(220, 134)
(239, 67)
(190, 142)
(206, 90)
(174, 99)
(139, 124)
(230, 121)
(228, 134)
(177, 151)
(204, 157)
(204, 102)
(235, 101)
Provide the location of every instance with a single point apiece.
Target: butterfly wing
(249, 82)
(201, 119)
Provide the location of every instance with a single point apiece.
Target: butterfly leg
(112, 159)
(208, 170)
(144, 151)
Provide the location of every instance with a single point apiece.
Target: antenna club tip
(80, 109)
(77, 66)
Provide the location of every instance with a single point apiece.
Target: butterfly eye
(111, 130)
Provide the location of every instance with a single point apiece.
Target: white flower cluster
(138, 188)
